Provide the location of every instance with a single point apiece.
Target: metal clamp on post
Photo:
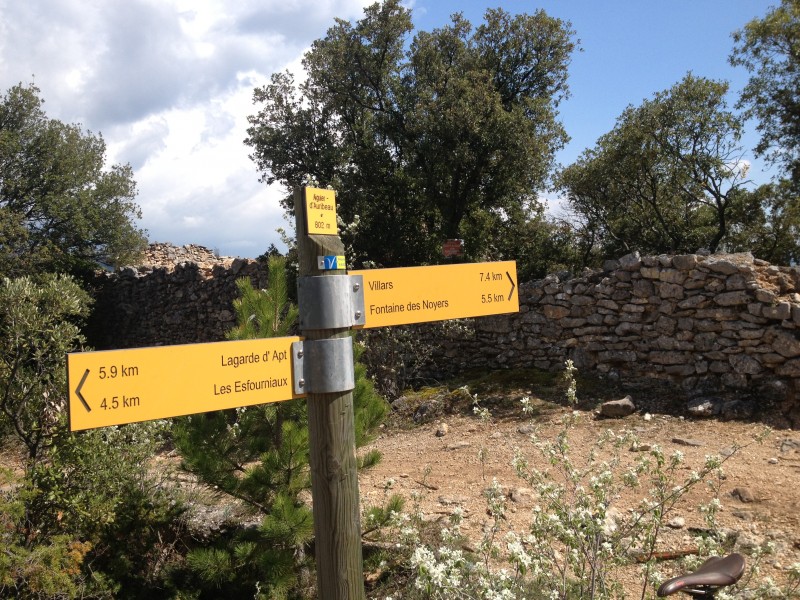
(330, 302)
(323, 366)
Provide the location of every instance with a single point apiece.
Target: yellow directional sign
(321, 211)
(125, 386)
(421, 294)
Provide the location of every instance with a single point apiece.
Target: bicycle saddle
(715, 572)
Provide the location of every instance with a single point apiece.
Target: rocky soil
(432, 450)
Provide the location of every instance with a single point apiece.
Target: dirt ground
(438, 460)
(432, 447)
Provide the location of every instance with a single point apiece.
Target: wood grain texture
(334, 471)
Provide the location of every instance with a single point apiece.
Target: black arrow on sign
(513, 286)
(78, 391)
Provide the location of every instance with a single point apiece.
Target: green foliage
(769, 48)
(667, 179)
(264, 313)
(368, 406)
(767, 224)
(88, 519)
(259, 457)
(539, 244)
(99, 486)
(444, 135)
(78, 495)
(43, 570)
(60, 208)
(38, 326)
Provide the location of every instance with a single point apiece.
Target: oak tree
(670, 177)
(769, 48)
(446, 134)
(61, 209)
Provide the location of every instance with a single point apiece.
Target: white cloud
(169, 84)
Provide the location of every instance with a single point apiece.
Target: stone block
(552, 311)
(737, 281)
(785, 343)
(643, 288)
(684, 262)
(673, 276)
(671, 291)
(723, 266)
(735, 298)
(779, 311)
(650, 272)
(791, 368)
(743, 363)
(580, 300)
(571, 323)
(618, 408)
(630, 262)
(667, 358)
(666, 325)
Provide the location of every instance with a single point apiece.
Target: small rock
(424, 412)
(727, 452)
(647, 417)
(618, 408)
(743, 494)
(744, 515)
(442, 430)
(611, 521)
(773, 461)
(495, 436)
(789, 445)
(677, 523)
(526, 429)
(702, 407)
(747, 542)
(458, 445)
(687, 442)
(402, 404)
(522, 496)
(729, 535)
(450, 500)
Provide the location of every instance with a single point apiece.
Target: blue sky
(631, 50)
(168, 83)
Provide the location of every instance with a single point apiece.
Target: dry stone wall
(707, 323)
(179, 295)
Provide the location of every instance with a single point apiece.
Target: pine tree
(259, 455)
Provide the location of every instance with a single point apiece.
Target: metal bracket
(323, 366)
(331, 302)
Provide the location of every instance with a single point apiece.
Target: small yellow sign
(114, 387)
(422, 294)
(321, 212)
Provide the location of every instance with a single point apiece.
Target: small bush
(578, 541)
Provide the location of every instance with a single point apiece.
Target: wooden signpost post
(331, 431)
(125, 386)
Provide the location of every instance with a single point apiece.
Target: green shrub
(577, 542)
(86, 517)
(258, 456)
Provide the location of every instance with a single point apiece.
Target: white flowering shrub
(579, 539)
